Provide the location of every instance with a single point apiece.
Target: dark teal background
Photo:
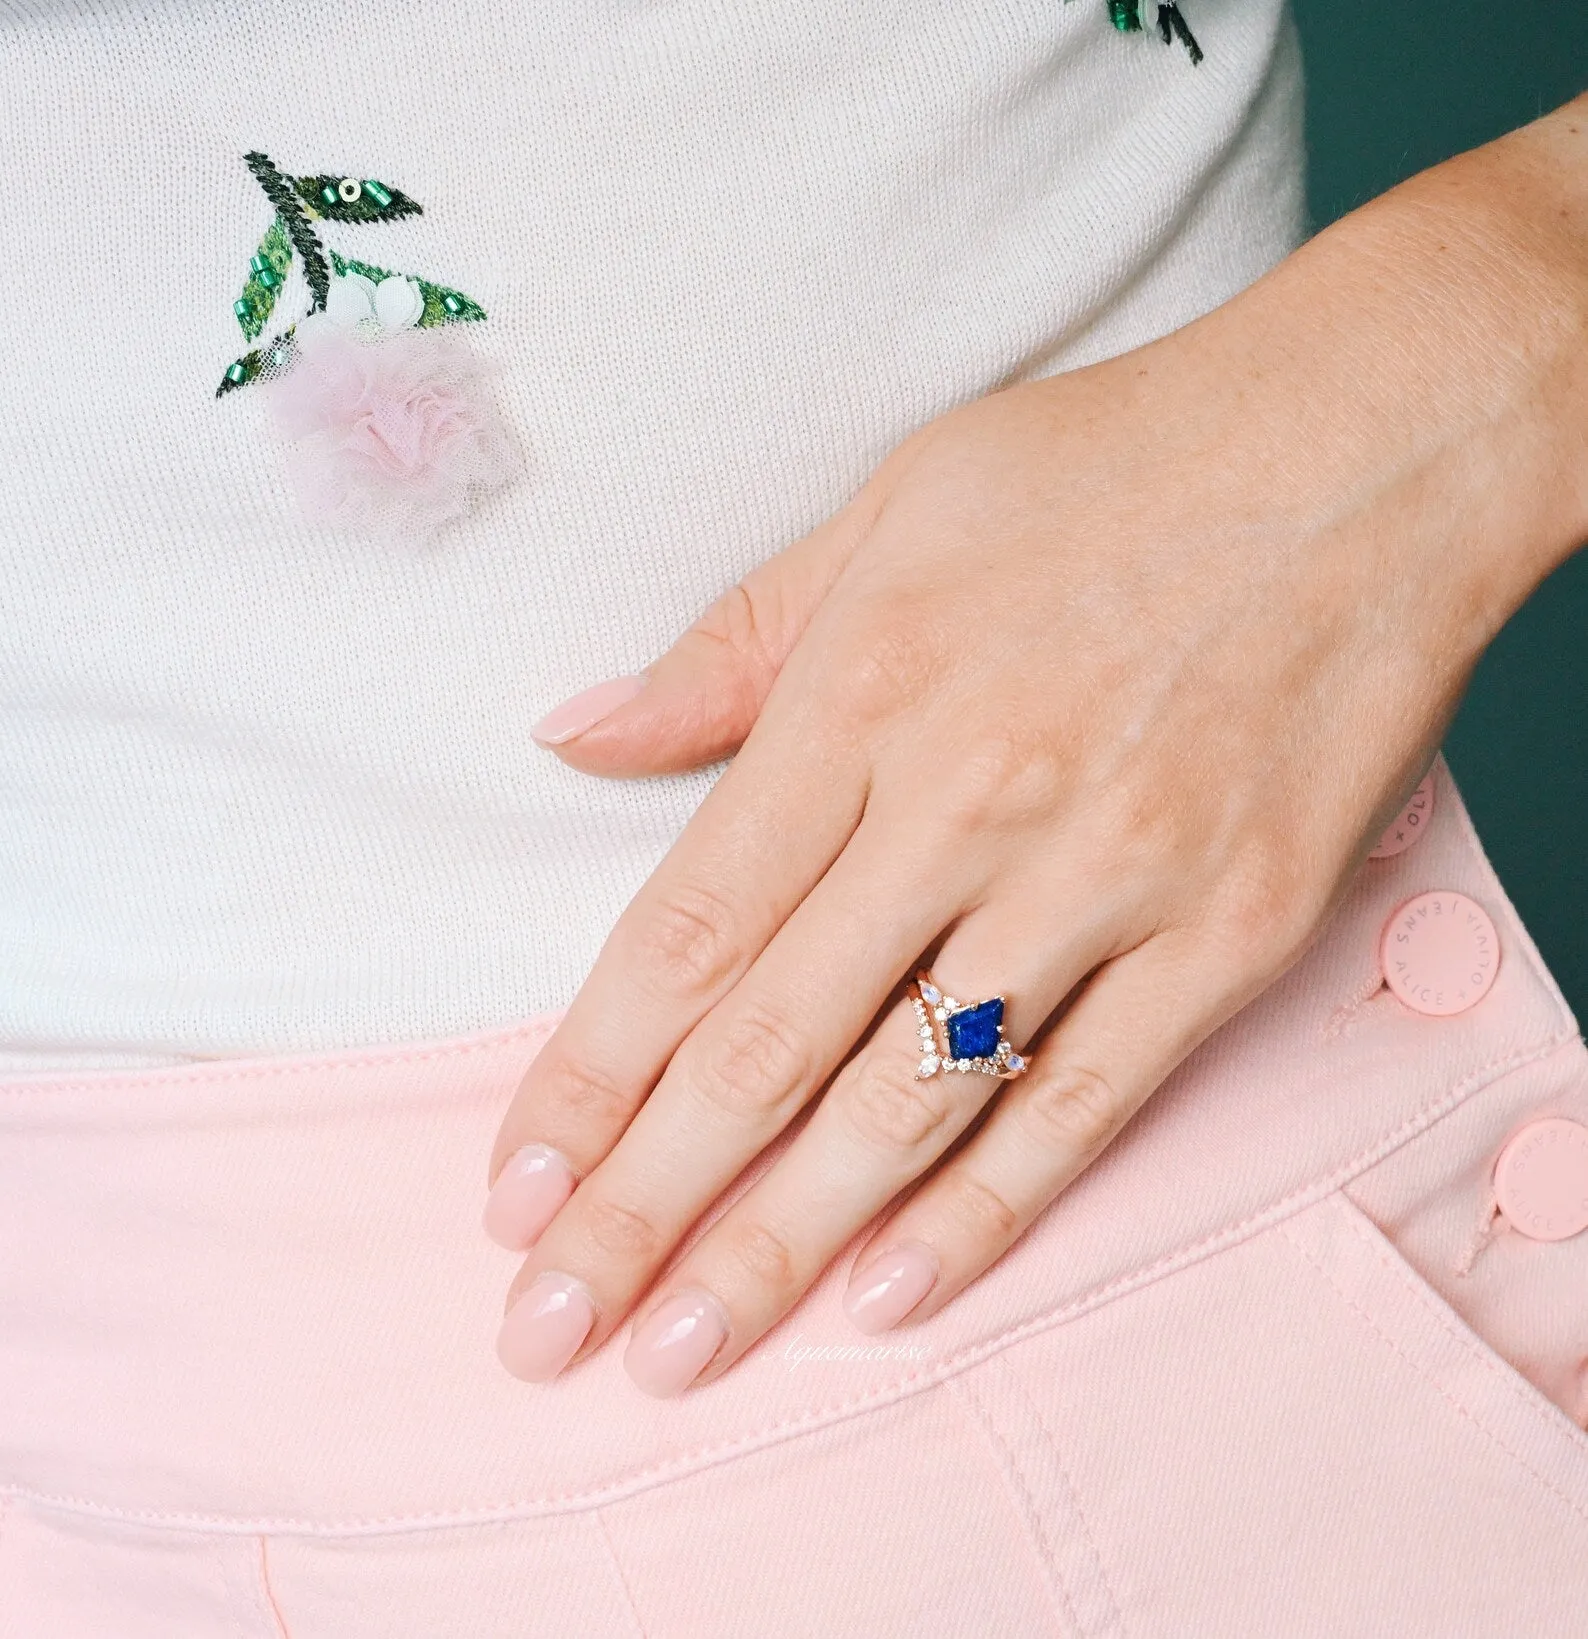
(1391, 89)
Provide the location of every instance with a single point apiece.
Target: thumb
(699, 700)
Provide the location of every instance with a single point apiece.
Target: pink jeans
(1275, 1366)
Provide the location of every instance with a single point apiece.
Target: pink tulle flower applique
(389, 432)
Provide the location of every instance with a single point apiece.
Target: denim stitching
(1026, 1505)
(1075, 1499)
(1555, 1420)
(1422, 1372)
(181, 1075)
(267, 1594)
(599, 1519)
(676, 1467)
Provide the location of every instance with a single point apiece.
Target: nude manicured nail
(544, 1328)
(563, 723)
(528, 1193)
(675, 1342)
(890, 1286)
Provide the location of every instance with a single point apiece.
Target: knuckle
(890, 672)
(1008, 778)
(586, 1099)
(759, 1059)
(1131, 821)
(622, 1232)
(730, 620)
(738, 623)
(1073, 1111)
(989, 1218)
(768, 1259)
(893, 1110)
(685, 945)
(1265, 912)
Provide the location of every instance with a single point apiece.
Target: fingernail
(562, 723)
(544, 1328)
(676, 1342)
(890, 1286)
(528, 1193)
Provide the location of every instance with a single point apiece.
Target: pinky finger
(1132, 1024)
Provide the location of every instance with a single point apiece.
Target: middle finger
(737, 1080)
(878, 1129)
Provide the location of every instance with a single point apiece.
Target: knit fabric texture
(267, 785)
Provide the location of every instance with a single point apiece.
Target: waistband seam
(683, 1465)
(256, 1068)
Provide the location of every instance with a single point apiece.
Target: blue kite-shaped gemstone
(973, 1032)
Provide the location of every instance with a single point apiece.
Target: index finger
(763, 837)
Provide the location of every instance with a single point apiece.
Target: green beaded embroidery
(253, 365)
(441, 304)
(301, 201)
(374, 201)
(1125, 15)
(266, 273)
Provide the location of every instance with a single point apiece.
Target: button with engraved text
(1440, 953)
(1410, 824)
(1541, 1180)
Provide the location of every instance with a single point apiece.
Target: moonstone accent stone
(930, 993)
(973, 1032)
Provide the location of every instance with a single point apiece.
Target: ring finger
(879, 1127)
(1132, 1023)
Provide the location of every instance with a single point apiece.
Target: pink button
(1541, 1180)
(1411, 823)
(1440, 953)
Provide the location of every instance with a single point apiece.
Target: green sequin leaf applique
(266, 273)
(442, 305)
(254, 364)
(291, 214)
(300, 202)
(353, 199)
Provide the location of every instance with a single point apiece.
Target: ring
(961, 1035)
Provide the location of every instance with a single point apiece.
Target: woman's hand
(1095, 696)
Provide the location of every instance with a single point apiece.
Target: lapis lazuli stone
(973, 1032)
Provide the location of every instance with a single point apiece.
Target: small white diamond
(929, 1065)
(950, 1003)
(940, 1012)
(931, 993)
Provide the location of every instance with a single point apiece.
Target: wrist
(1427, 357)
(1514, 214)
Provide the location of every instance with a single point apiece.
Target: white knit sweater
(269, 786)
